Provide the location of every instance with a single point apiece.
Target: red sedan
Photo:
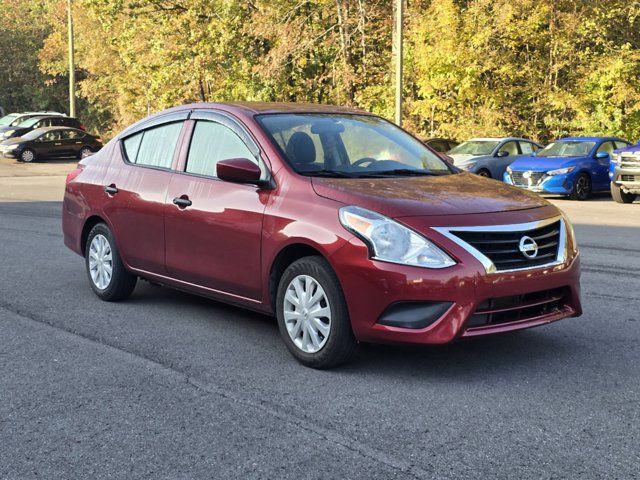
(341, 224)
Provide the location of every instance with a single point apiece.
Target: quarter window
(212, 142)
(154, 147)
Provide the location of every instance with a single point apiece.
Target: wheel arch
(89, 223)
(285, 257)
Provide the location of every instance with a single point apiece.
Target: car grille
(501, 310)
(503, 247)
(534, 179)
(629, 161)
(630, 178)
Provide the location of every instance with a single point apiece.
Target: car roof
(49, 129)
(498, 139)
(588, 139)
(253, 108)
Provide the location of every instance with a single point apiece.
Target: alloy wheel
(85, 152)
(307, 314)
(582, 187)
(100, 261)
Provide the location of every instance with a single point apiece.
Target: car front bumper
(459, 294)
(550, 184)
(628, 178)
(9, 153)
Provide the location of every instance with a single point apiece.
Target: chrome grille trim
(489, 266)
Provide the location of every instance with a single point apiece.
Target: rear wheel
(582, 187)
(484, 173)
(108, 277)
(619, 196)
(28, 155)
(312, 314)
(85, 152)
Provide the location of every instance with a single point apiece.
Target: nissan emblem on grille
(528, 247)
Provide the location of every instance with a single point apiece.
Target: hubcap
(27, 155)
(85, 152)
(100, 261)
(307, 314)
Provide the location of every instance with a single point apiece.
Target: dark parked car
(40, 121)
(441, 145)
(51, 142)
(10, 121)
(338, 222)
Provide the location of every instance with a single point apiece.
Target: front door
(601, 170)
(213, 228)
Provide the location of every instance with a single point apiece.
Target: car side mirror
(502, 154)
(239, 170)
(534, 154)
(602, 155)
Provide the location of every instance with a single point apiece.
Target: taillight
(73, 174)
(82, 127)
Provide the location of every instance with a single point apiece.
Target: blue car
(574, 166)
(624, 172)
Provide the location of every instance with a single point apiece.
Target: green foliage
(483, 67)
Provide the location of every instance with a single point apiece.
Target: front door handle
(182, 202)
(111, 189)
(57, 144)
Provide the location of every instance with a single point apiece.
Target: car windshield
(349, 145)
(30, 122)
(475, 147)
(7, 119)
(567, 149)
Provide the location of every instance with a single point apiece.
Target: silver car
(490, 157)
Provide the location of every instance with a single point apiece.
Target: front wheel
(620, 196)
(108, 277)
(312, 314)
(27, 155)
(582, 188)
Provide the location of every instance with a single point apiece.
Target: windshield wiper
(405, 172)
(329, 173)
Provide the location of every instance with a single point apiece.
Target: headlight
(391, 242)
(561, 171)
(466, 165)
(509, 171)
(9, 147)
(8, 133)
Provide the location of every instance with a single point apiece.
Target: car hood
(12, 141)
(456, 194)
(461, 158)
(542, 164)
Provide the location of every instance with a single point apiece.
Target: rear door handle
(57, 144)
(111, 189)
(182, 202)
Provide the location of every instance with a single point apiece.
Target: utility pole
(398, 49)
(72, 68)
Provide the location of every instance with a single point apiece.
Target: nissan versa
(338, 222)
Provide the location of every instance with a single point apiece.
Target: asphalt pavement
(168, 385)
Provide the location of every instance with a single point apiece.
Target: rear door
(215, 240)
(136, 185)
(70, 143)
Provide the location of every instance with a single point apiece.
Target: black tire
(27, 156)
(619, 196)
(582, 188)
(84, 152)
(122, 282)
(483, 172)
(340, 343)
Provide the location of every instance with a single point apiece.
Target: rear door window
(212, 142)
(154, 147)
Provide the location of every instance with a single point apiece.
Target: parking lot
(170, 385)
